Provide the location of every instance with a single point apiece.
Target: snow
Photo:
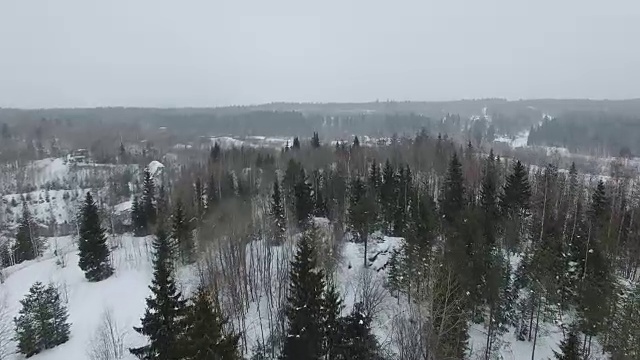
(124, 293)
(155, 167)
(227, 142)
(123, 207)
(517, 141)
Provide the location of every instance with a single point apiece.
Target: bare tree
(370, 291)
(6, 331)
(108, 340)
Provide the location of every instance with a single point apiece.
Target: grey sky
(57, 53)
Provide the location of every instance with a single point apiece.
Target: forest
(485, 248)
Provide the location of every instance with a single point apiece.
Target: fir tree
(362, 213)
(315, 140)
(569, 348)
(199, 197)
(296, 143)
(181, 234)
(205, 337)
(162, 321)
(277, 214)
(28, 245)
(42, 321)
(305, 335)
(93, 250)
(213, 197)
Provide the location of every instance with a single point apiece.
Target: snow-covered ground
(123, 294)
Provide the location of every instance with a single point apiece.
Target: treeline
(597, 133)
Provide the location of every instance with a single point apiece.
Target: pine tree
(205, 337)
(305, 335)
(93, 250)
(148, 199)
(279, 225)
(163, 318)
(42, 321)
(315, 140)
(569, 348)
(181, 234)
(28, 245)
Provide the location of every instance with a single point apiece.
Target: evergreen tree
(403, 182)
(296, 143)
(138, 218)
(388, 194)
(452, 202)
(305, 316)
(279, 225)
(42, 321)
(356, 142)
(199, 197)
(357, 340)
(163, 318)
(362, 213)
(303, 200)
(569, 348)
(315, 140)
(214, 154)
(514, 204)
(332, 325)
(93, 250)
(181, 234)
(205, 337)
(28, 244)
(148, 199)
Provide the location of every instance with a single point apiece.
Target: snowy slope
(123, 293)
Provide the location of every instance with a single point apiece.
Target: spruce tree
(362, 212)
(28, 245)
(452, 202)
(569, 348)
(93, 250)
(148, 199)
(279, 225)
(303, 200)
(204, 333)
(138, 218)
(304, 308)
(356, 142)
(296, 143)
(42, 322)
(181, 234)
(357, 340)
(214, 154)
(514, 204)
(388, 194)
(332, 322)
(162, 322)
(213, 196)
(315, 140)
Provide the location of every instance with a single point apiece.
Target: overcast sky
(65, 53)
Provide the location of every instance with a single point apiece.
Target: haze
(80, 53)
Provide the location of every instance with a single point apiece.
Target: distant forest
(597, 133)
